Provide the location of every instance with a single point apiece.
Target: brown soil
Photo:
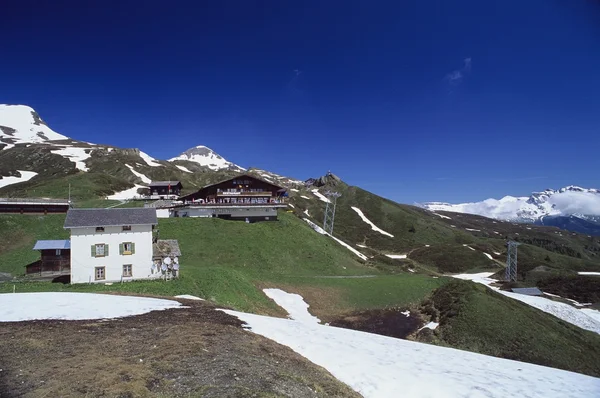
(192, 352)
(388, 322)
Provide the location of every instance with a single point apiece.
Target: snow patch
(442, 216)
(291, 205)
(182, 168)
(75, 155)
(306, 212)
(126, 194)
(489, 256)
(497, 253)
(150, 161)
(362, 246)
(16, 307)
(468, 247)
(588, 273)
(396, 256)
(322, 232)
(189, 297)
(406, 313)
(10, 180)
(140, 175)
(304, 197)
(294, 304)
(430, 325)
(320, 196)
(373, 226)
(294, 190)
(379, 366)
(474, 230)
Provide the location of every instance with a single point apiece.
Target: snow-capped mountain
(20, 124)
(567, 201)
(205, 156)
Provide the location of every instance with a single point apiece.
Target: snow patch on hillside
(294, 304)
(347, 246)
(488, 256)
(396, 256)
(588, 273)
(76, 155)
(373, 226)
(442, 216)
(205, 156)
(304, 197)
(10, 180)
(16, 307)
(129, 193)
(380, 367)
(320, 196)
(560, 310)
(140, 175)
(150, 161)
(182, 168)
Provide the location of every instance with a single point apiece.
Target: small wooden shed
(55, 258)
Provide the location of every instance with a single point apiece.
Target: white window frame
(103, 245)
(130, 275)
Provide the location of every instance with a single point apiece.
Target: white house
(109, 245)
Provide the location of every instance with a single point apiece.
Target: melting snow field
(468, 247)
(189, 297)
(183, 168)
(25, 176)
(384, 367)
(474, 230)
(294, 304)
(304, 197)
(373, 226)
(75, 155)
(489, 256)
(442, 216)
(588, 273)
(396, 256)
(150, 161)
(322, 232)
(140, 175)
(320, 196)
(76, 306)
(126, 194)
(567, 313)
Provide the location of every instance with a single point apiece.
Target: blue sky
(414, 100)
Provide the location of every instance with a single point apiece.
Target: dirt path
(196, 351)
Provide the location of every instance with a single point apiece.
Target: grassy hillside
(475, 318)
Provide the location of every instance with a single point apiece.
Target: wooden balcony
(244, 193)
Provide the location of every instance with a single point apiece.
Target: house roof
(79, 218)
(529, 291)
(52, 244)
(235, 178)
(164, 183)
(165, 248)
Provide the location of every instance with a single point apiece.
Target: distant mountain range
(573, 208)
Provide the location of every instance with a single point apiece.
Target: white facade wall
(162, 213)
(83, 263)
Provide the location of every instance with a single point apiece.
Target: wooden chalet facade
(244, 197)
(165, 189)
(34, 205)
(55, 258)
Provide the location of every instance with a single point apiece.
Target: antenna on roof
(69, 194)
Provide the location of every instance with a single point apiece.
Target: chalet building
(165, 189)
(34, 205)
(55, 259)
(244, 197)
(109, 245)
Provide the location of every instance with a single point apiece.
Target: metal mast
(330, 211)
(511, 261)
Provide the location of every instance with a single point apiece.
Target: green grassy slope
(475, 318)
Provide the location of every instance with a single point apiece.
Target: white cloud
(456, 76)
(576, 202)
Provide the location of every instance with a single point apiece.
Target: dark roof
(235, 178)
(78, 218)
(529, 291)
(165, 248)
(164, 183)
(52, 244)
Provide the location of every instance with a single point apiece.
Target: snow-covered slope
(380, 366)
(21, 124)
(565, 201)
(205, 156)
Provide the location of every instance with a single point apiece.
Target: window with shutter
(127, 248)
(100, 250)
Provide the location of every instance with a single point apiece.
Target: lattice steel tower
(330, 211)
(511, 261)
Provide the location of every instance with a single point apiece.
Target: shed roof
(529, 291)
(165, 248)
(164, 183)
(52, 244)
(79, 218)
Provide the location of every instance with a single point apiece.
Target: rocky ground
(191, 352)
